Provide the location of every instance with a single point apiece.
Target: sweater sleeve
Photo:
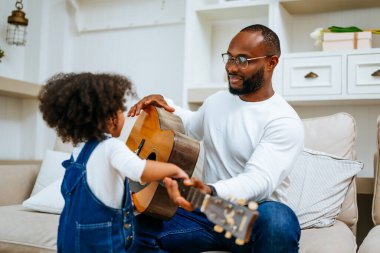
(126, 162)
(270, 163)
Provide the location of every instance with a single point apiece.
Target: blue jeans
(275, 230)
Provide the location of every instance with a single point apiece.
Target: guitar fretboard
(191, 194)
(227, 216)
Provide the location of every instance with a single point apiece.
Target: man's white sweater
(250, 147)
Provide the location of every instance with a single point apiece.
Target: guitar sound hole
(152, 156)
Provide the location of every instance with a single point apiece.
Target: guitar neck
(193, 195)
(227, 216)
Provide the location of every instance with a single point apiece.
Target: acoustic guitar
(159, 135)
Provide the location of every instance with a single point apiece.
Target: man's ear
(272, 63)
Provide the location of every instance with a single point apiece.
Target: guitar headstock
(227, 216)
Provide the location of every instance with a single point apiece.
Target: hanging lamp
(17, 23)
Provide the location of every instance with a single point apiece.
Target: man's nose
(232, 67)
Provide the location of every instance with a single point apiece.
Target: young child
(87, 110)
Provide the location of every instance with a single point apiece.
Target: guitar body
(159, 135)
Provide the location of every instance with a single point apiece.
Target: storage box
(346, 41)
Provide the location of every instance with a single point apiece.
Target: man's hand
(175, 195)
(155, 99)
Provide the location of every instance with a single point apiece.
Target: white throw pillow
(48, 200)
(318, 186)
(51, 169)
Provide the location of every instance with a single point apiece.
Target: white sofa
(371, 243)
(25, 231)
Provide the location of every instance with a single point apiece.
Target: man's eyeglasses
(240, 61)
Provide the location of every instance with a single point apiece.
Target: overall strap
(127, 195)
(86, 151)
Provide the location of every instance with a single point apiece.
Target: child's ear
(114, 122)
(110, 124)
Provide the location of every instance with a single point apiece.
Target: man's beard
(250, 85)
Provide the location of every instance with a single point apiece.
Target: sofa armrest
(17, 180)
(376, 190)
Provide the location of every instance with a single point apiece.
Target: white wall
(149, 53)
(151, 57)
(141, 39)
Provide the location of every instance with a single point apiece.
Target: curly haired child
(87, 110)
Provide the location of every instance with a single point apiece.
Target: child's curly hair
(78, 106)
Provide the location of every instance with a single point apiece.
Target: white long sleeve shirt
(108, 166)
(250, 147)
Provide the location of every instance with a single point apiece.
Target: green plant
(1, 54)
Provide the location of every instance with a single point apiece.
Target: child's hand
(155, 171)
(180, 174)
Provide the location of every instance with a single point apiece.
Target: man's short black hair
(271, 39)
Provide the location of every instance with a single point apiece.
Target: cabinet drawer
(313, 76)
(363, 74)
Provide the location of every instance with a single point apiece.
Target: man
(251, 138)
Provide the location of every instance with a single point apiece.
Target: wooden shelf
(17, 88)
(313, 6)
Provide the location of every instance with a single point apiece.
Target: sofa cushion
(26, 231)
(336, 134)
(51, 169)
(371, 242)
(333, 134)
(318, 185)
(337, 238)
(48, 200)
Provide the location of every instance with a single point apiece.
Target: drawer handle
(376, 73)
(311, 75)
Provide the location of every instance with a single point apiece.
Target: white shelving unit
(19, 119)
(209, 29)
(339, 77)
(18, 89)
(116, 14)
(344, 83)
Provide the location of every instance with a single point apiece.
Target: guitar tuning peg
(228, 234)
(252, 205)
(239, 241)
(241, 202)
(218, 229)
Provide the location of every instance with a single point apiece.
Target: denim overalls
(86, 224)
